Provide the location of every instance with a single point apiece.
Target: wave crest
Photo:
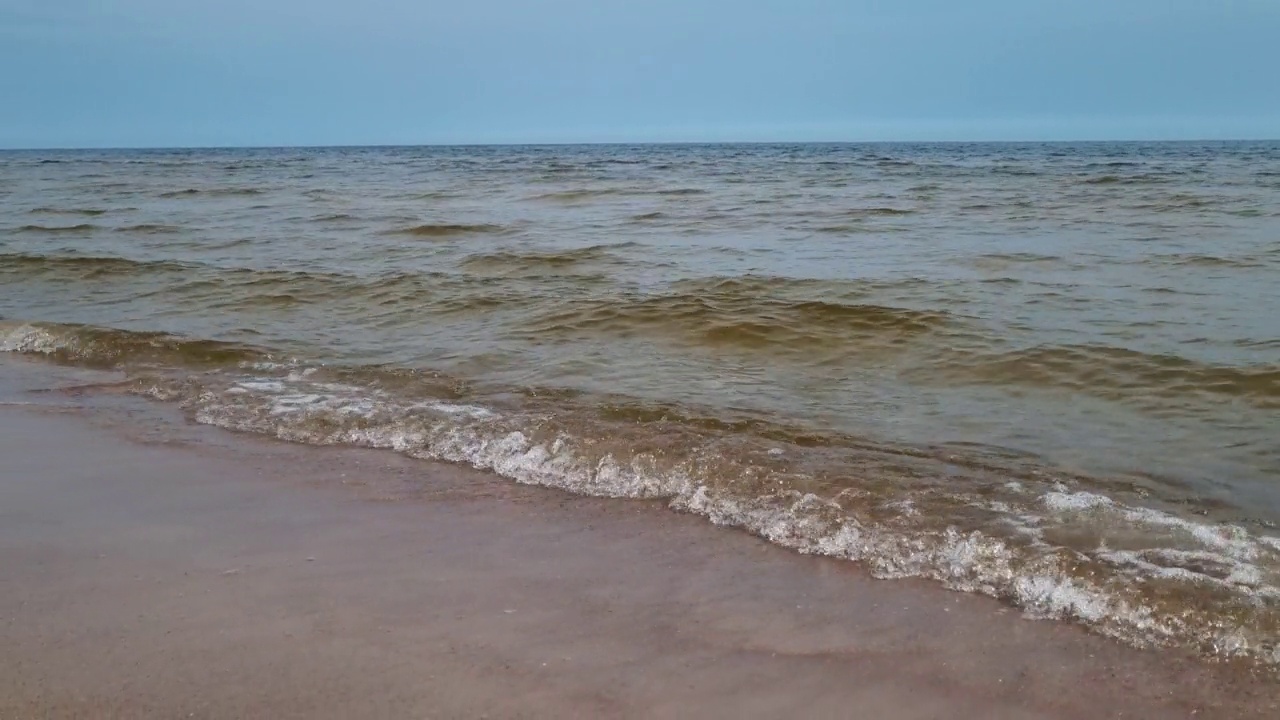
(446, 230)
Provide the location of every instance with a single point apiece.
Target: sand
(153, 569)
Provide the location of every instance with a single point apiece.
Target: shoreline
(160, 569)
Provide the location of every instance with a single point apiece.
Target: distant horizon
(654, 143)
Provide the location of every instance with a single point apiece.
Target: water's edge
(1054, 544)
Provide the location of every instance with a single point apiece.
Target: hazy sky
(288, 72)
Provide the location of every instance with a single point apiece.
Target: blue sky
(91, 73)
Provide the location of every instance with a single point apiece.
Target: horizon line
(617, 143)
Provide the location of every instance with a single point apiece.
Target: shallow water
(1045, 372)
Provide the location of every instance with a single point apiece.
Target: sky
(178, 73)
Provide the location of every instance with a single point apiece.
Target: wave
(1011, 170)
(446, 230)
(431, 195)
(1114, 164)
(187, 284)
(1175, 203)
(1108, 372)
(1055, 544)
(584, 194)
(1123, 180)
(213, 192)
(573, 196)
(1002, 259)
(112, 348)
(880, 212)
(791, 288)
(191, 285)
(824, 330)
(540, 261)
(242, 288)
(1252, 212)
(838, 229)
(680, 192)
(150, 229)
(86, 212)
(82, 266)
(80, 228)
(1197, 260)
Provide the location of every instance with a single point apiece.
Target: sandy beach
(549, 360)
(158, 569)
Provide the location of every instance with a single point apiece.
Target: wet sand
(163, 571)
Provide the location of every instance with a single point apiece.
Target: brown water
(1049, 373)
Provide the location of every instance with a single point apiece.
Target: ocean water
(1047, 372)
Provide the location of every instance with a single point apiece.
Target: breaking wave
(1055, 544)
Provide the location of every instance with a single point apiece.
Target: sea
(1048, 373)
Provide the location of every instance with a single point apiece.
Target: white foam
(472, 411)
(905, 507)
(1053, 596)
(1061, 501)
(1179, 564)
(264, 386)
(1230, 539)
(30, 339)
(266, 365)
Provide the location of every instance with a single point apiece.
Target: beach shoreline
(155, 568)
(1039, 373)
